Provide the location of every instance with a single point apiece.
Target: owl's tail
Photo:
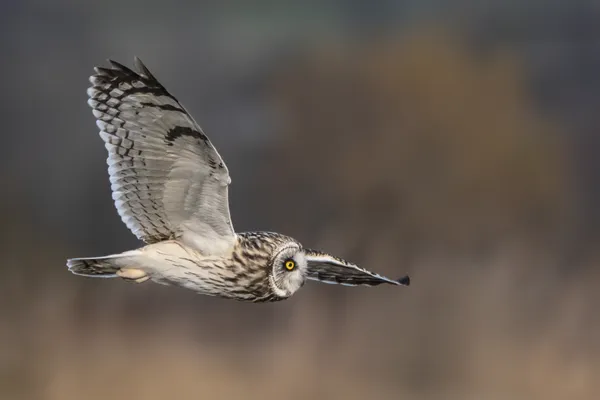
(101, 267)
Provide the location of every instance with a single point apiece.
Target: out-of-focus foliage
(424, 141)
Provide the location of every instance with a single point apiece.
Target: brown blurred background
(458, 144)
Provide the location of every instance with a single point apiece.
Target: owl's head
(288, 269)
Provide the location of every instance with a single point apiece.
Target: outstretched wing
(326, 268)
(168, 180)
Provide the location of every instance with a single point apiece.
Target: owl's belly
(172, 263)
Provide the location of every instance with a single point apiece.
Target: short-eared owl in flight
(169, 185)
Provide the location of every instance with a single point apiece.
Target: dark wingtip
(405, 280)
(142, 69)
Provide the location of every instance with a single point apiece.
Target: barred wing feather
(168, 180)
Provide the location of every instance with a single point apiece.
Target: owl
(170, 187)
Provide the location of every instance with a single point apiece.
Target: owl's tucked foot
(133, 275)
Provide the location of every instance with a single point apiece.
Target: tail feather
(98, 267)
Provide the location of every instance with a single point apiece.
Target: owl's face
(288, 269)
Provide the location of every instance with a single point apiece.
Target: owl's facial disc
(288, 270)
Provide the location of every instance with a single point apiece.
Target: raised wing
(168, 180)
(326, 268)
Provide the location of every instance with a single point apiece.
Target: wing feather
(167, 178)
(326, 268)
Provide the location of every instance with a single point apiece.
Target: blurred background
(457, 143)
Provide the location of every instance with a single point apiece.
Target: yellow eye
(290, 265)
